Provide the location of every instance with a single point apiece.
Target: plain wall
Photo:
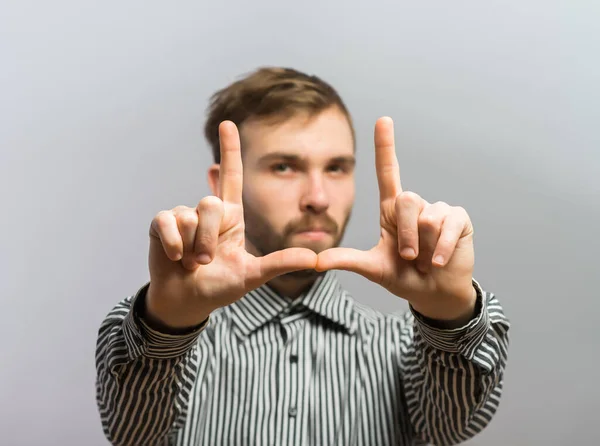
(102, 104)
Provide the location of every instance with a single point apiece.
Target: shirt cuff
(143, 340)
(463, 340)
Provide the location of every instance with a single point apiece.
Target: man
(244, 335)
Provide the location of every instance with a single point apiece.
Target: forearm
(137, 370)
(456, 388)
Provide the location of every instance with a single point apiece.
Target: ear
(213, 178)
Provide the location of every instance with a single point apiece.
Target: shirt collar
(326, 297)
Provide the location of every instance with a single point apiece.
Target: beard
(266, 240)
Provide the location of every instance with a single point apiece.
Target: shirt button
(293, 412)
(293, 358)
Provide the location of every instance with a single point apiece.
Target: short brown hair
(274, 93)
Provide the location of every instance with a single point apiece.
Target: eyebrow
(275, 156)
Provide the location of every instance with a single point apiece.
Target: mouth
(313, 233)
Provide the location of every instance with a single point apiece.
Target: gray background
(101, 111)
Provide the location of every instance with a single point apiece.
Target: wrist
(160, 314)
(454, 312)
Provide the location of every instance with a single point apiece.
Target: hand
(198, 261)
(425, 253)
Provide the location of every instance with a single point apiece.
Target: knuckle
(428, 220)
(461, 211)
(180, 209)
(187, 220)
(209, 202)
(162, 218)
(409, 197)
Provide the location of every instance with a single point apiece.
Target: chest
(297, 381)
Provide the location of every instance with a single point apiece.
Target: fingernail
(439, 259)
(407, 252)
(203, 258)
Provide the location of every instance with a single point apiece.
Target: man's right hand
(198, 261)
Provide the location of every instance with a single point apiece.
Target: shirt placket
(289, 383)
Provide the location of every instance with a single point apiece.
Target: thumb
(349, 259)
(285, 261)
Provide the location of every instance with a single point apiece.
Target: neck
(290, 286)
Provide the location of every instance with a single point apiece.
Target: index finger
(231, 169)
(386, 162)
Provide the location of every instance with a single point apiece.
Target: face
(298, 182)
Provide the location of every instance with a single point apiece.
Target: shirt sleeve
(453, 378)
(144, 377)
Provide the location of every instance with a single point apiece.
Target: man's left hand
(425, 252)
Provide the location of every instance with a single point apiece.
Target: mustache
(306, 223)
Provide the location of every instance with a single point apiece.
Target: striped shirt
(319, 370)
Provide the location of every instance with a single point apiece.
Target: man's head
(297, 144)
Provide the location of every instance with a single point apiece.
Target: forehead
(325, 135)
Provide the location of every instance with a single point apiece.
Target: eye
(281, 167)
(336, 168)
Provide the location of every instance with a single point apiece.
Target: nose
(314, 198)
